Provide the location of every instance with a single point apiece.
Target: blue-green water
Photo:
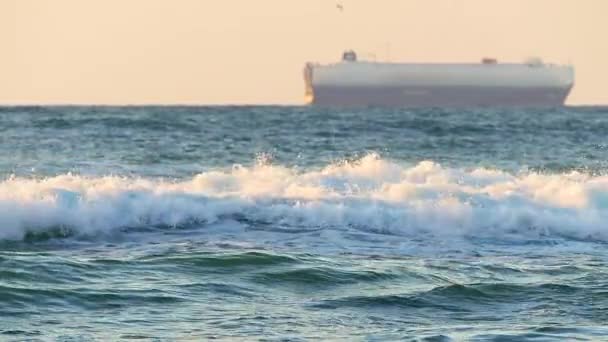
(303, 223)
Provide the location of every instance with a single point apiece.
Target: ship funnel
(349, 56)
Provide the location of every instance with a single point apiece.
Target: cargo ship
(351, 82)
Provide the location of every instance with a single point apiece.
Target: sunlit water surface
(302, 223)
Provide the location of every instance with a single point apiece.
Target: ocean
(283, 223)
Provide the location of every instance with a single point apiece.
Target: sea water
(303, 223)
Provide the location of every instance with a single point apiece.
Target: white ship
(488, 83)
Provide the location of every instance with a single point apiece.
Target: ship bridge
(349, 56)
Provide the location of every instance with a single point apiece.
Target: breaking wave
(370, 194)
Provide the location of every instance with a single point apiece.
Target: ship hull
(437, 96)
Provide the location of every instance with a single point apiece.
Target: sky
(253, 52)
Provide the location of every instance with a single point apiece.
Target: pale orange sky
(241, 52)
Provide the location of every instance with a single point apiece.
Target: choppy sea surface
(303, 223)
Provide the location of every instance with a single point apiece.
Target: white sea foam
(370, 194)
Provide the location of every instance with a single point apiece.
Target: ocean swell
(371, 194)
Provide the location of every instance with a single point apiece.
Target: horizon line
(186, 104)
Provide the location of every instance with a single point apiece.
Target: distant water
(301, 223)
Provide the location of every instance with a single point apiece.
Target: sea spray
(369, 194)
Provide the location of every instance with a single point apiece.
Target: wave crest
(370, 193)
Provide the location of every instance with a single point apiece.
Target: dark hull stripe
(439, 96)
